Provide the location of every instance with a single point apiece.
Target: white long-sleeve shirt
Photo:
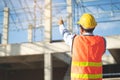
(67, 36)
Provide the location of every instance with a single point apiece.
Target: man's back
(86, 57)
(92, 47)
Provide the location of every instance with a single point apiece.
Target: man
(87, 49)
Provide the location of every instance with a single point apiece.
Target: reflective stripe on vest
(96, 64)
(86, 76)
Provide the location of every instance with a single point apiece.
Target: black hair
(87, 30)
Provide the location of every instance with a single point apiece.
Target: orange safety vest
(86, 58)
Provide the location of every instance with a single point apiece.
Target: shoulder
(99, 36)
(102, 38)
(78, 37)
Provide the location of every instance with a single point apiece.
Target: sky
(107, 29)
(108, 22)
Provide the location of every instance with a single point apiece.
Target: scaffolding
(25, 12)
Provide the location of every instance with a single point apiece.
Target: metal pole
(69, 17)
(35, 3)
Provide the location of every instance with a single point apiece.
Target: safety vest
(86, 58)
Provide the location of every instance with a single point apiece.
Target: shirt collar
(87, 34)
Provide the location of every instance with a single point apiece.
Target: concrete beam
(113, 45)
(22, 59)
(113, 42)
(5, 26)
(33, 48)
(116, 54)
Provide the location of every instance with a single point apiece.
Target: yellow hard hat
(87, 21)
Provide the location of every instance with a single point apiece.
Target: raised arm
(67, 36)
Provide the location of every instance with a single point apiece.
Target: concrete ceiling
(113, 45)
(31, 62)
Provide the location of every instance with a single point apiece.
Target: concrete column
(5, 26)
(48, 38)
(48, 20)
(69, 11)
(48, 66)
(30, 33)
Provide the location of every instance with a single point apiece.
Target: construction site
(32, 47)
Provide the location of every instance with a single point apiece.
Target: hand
(60, 22)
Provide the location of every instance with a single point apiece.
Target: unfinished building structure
(48, 57)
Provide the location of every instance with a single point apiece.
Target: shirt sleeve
(67, 36)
